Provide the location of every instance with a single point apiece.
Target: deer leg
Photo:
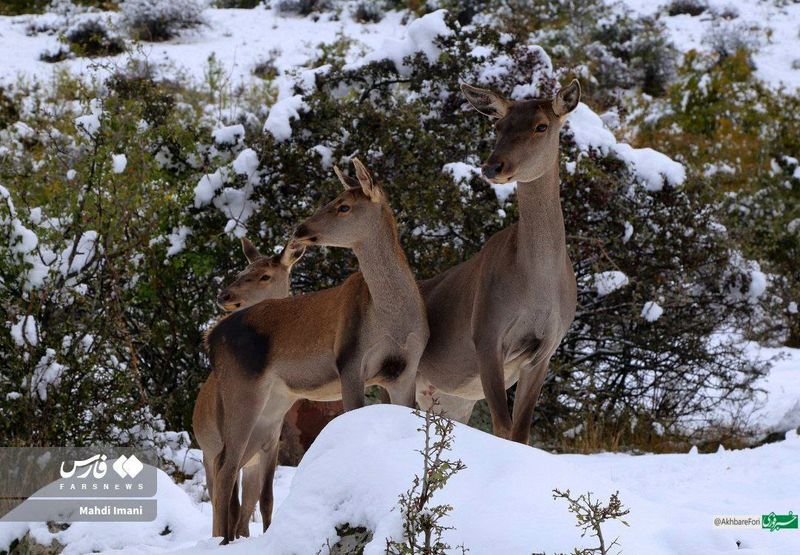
(208, 464)
(352, 389)
(252, 475)
(490, 368)
(246, 401)
(234, 507)
(270, 457)
(529, 386)
(455, 408)
(403, 389)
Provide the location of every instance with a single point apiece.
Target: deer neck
(385, 269)
(541, 243)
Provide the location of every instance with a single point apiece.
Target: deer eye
(344, 208)
(541, 128)
(265, 277)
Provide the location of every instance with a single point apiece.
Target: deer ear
(292, 252)
(365, 180)
(250, 251)
(346, 180)
(567, 99)
(486, 102)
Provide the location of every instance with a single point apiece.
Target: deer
(497, 318)
(325, 345)
(265, 277)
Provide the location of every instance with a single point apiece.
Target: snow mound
(503, 502)
(178, 524)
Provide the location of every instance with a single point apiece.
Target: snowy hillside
(770, 27)
(502, 501)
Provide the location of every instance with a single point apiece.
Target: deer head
(527, 131)
(266, 277)
(351, 217)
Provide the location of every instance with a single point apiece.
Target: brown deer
(265, 277)
(326, 345)
(497, 318)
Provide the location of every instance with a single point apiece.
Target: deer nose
(224, 297)
(300, 231)
(491, 170)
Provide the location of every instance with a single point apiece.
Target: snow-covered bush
(82, 263)
(688, 7)
(727, 39)
(92, 37)
(302, 7)
(155, 20)
(368, 12)
(611, 47)
(721, 120)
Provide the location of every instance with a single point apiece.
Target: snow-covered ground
(768, 26)
(502, 501)
(239, 40)
(777, 409)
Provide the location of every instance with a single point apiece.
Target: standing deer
(265, 277)
(497, 318)
(326, 345)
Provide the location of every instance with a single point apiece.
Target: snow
(90, 123)
(119, 162)
(608, 282)
(776, 53)
(281, 114)
(628, 233)
(25, 330)
(501, 503)
(651, 167)
(325, 155)
(246, 163)
(652, 311)
(207, 187)
(420, 37)
(778, 408)
(76, 256)
(23, 240)
(758, 284)
(229, 135)
(177, 240)
(46, 373)
(460, 171)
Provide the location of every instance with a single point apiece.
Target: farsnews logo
(125, 467)
(773, 522)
